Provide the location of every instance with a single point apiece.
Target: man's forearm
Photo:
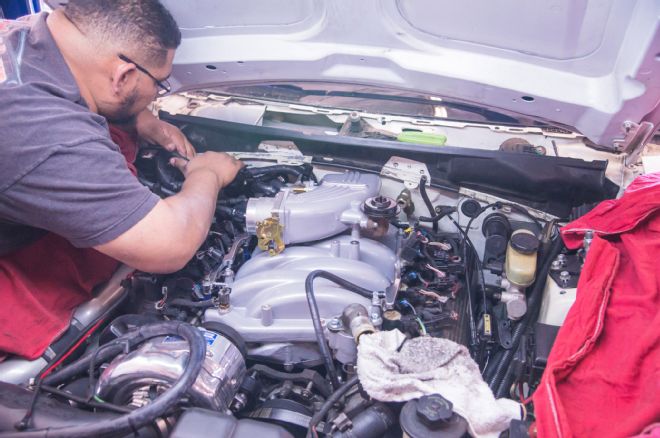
(168, 236)
(194, 206)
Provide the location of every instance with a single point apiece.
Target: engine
(254, 280)
(294, 271)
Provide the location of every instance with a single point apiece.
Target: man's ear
(123, 77)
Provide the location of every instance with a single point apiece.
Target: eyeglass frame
(164, 85)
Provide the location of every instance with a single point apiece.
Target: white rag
(427, 365)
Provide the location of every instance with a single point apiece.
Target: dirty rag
(392, 372)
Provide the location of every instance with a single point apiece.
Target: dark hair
(145, 26)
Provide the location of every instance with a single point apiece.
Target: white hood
(592, 65)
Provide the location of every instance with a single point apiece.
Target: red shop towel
(41, 285)
(603, 374)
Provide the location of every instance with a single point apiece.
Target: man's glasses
(164, 85)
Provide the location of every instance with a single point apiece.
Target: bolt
(556, 265)
(564, 276)
(307, 391)
(562, 292)
(375, 319)
(239, 402)
(335, 324)
(562, 258)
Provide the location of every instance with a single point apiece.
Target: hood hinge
(636, 138)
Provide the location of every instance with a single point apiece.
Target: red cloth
(42, 283)
(127, 141)
(603, 374)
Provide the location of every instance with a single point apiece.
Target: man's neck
(74, 50)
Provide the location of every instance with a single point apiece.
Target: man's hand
(223, 166)
(167, 238)
(155, 131)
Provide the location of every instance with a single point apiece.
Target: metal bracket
(637, 135)
(281, 152)
(228, 259)
(408, 171)
(269, 233)
(489, 199)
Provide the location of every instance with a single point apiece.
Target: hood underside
(591, 65)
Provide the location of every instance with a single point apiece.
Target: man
(92, 61)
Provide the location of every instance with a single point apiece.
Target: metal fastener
(335, 324)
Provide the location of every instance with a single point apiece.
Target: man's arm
(156, 131)
(168, 236)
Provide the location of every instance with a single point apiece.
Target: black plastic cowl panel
(551, 184)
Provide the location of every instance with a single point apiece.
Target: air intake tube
(139, 417)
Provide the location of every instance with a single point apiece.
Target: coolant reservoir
(521, 254)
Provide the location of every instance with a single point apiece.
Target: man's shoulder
(37, 123)
(42, 110)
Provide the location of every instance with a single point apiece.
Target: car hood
(590, 65)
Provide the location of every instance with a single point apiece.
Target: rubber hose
(330, 401)
(276, 170)
(427, 201)
(316, 318)
(231, 212)
(373, 422)
(166, 178)
(182, 302)
(340, 282)
(503, 365)
(124, 323)
(133, 338)
(318, 331)
(535, 299)
(266, 189)
(286, 173)
(444, 212)
(148, 413)
(489, 372)
(507, 381)
(233, 201)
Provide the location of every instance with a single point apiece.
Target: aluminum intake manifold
(318, 213)
(268, 302)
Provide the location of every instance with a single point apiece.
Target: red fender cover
(603, 374)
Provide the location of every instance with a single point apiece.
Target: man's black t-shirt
(59, 169)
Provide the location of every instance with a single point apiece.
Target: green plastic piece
(422, 138)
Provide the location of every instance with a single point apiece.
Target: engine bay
(306, 257)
